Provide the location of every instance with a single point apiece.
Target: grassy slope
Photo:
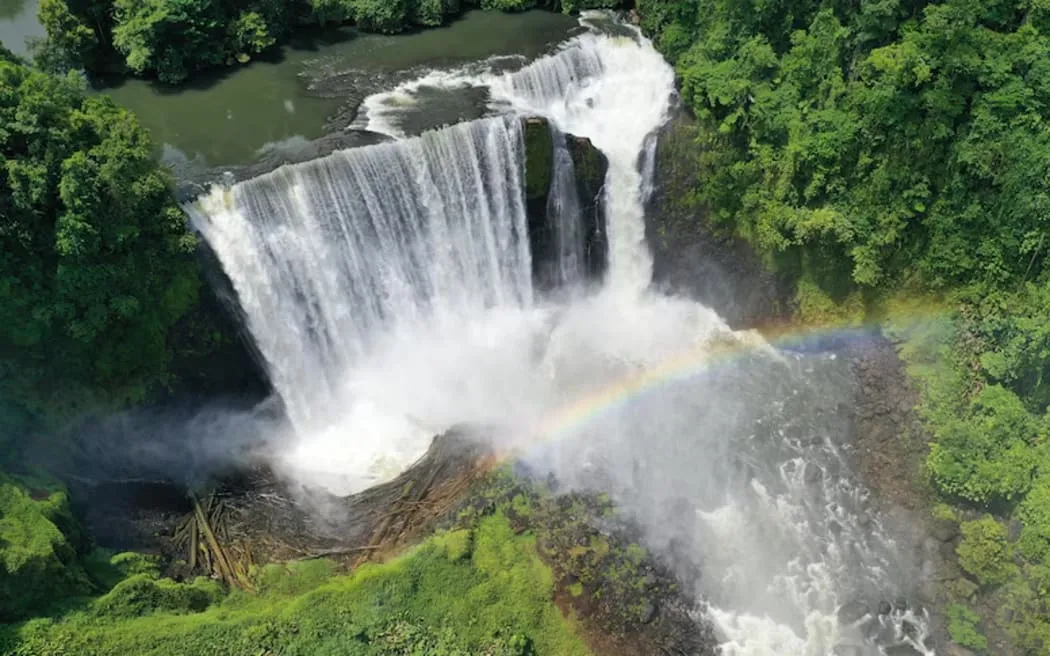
(465, 592)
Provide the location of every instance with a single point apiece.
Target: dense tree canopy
(173, 38)
(904, 138)
(889, 147)
(95, 258)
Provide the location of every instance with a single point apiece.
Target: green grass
(38, 540)
(480, 591)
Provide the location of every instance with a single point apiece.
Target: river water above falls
(305, 88)
(390, 291)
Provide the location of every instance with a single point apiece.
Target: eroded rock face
(589, 168)
(554, 159)
(690, 256)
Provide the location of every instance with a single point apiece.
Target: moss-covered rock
(477, 591)
(143, 594)
(39, 540)
(627, 600)
(539, 155)
(589, 168)
(545, 164)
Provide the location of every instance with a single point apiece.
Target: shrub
(38, 543)
(963, 629)
(384, 16)
(986, 457)
(984, 552)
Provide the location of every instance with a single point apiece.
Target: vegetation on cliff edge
(100, 290)
(893, 148)
(470, 591)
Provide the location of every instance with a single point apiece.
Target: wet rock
(539, 149)
(945, 529)
(691, 257)
(902, 650)
(548, 154)
(947, 551)
(852, 612)
(910, 629)
(812, 474)
(881, 632)
(885, 608)
(848, 650)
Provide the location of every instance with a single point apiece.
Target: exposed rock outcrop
(545, 159)
(690, 255)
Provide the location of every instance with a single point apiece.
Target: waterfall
(563, 219)
(390, 290)
(614, 90)
(329, 255)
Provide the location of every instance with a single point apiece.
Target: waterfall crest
(328, 255)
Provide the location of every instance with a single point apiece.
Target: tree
(96, 260)
(71, 39)
(984, 552)
(170, 37)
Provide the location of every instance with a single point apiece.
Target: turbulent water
(389, 289)
(337, 260)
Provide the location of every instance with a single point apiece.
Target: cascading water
(332, 256)
(568, 265)
(389, 290)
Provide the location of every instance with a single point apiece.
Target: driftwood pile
(254, 517)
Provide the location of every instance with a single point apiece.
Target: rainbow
(569, 418)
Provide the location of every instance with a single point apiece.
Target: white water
(389, 290)
(332, 258)
(614, 90)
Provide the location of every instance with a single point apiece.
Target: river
(18, 23)
(307, 87)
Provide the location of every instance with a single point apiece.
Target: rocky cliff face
(589, 166)
(690, 255)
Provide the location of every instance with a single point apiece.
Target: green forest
(170, 39)
(97, 261)
(892, 159)
(889, 158)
